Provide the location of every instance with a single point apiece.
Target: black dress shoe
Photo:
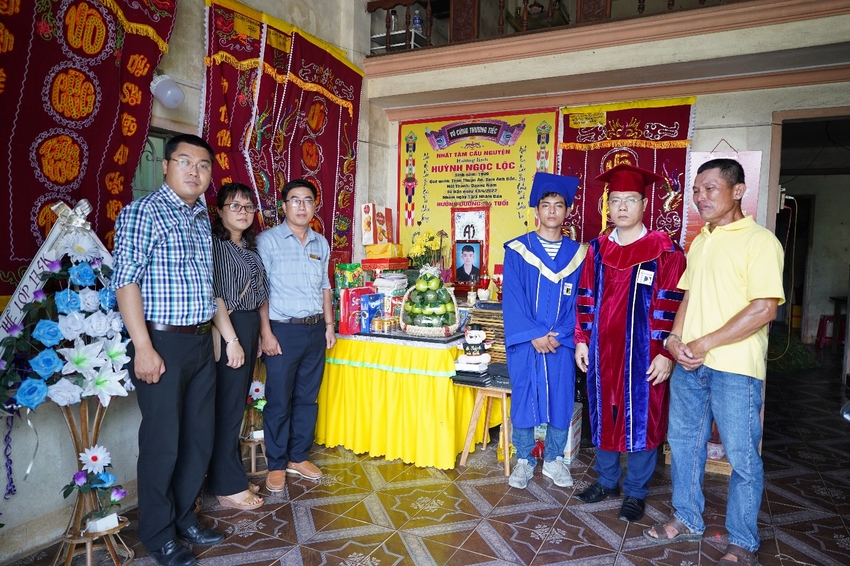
(200, 535)
(632, 509)
(597, 492)
(173, 554)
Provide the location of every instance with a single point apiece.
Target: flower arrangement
(427, 249)
(70, 343)
(94, 478)
(256, 401)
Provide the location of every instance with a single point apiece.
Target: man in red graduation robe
(627, 301)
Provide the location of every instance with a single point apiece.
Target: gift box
(573, 435)
(371, 307)
(376, 224)
(379, 251)
(349, 308)
(385, 264)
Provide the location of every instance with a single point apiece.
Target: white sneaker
(558, 471)
(521, 474)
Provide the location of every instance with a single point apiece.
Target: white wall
(828, 264)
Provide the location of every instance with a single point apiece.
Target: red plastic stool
(823, 325)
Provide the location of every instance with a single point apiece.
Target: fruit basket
(429, 310)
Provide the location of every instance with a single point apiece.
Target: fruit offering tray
(429, 309)
(400, 338)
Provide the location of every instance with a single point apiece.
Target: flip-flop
(253, 488)
(240, 501)
(683, 534)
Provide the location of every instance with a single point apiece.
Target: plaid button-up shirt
(165, 247)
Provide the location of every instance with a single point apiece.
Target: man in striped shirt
(163, 281)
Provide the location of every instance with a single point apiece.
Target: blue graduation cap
(551, 183)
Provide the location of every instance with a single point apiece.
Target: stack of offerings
(473, 378)
(499, 375)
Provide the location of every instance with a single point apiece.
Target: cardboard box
(371, 307)
(573, 435)
(385, 264)
(384, 251)
(349, 308)
(376, 224)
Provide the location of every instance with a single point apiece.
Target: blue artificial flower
(103, 480)
(32, 392)
(46, 363)
(47, 332)
(67, 301)
(107, 299)
(82, 274)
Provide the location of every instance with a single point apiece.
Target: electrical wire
(794, 214)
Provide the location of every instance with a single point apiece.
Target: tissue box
(384, 251)
(349, 308)
(376, 224)
(573, 435)
(385, 264)
(371, 307)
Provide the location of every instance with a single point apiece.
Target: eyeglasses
(236, 207)
(185, 165)
(297, 202)
(629, 201)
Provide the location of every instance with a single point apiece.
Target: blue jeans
(523, 440)
(733, 401)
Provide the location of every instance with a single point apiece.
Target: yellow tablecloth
(395, 401)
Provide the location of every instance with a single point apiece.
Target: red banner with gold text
(652, 134)
(75, 106)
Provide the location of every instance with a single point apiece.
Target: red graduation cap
(628, 178)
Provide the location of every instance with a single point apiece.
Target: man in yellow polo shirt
(732, 284)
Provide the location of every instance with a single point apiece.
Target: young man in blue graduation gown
(541, 275)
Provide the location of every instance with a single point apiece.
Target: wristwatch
(671, 335)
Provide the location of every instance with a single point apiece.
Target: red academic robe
(627, 301)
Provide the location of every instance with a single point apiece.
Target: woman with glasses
(241, 287)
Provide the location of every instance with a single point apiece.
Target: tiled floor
(368, 511)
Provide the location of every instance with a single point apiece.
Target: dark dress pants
(640, 466)
(293, 379)
(226, 475)
(175, 435)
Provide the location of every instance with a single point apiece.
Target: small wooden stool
(253, 444)
(488, 394)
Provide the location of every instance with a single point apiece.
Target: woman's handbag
(216, 335)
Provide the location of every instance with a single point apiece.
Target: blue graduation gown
(539, 296)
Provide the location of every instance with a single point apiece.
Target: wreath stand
(251, 423)
(84, 433)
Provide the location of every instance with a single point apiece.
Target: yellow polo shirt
(727, 269)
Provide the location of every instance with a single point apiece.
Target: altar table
(395, 399)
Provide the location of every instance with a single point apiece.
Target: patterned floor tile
(348, 539)
(502, 541)
(451, 528)
(404, 549)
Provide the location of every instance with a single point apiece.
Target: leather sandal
(744, 556)
(243, 501)
(683, 533)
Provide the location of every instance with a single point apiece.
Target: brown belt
(202, 328)
(312, 319)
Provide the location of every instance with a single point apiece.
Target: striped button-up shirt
(239, 277)
(297, 272)
(165, 247)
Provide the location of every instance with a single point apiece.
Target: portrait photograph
(467, 260)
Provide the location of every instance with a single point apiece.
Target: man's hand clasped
(546, 344)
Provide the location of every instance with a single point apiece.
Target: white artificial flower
(82, 357)
(116, 352)
(80, 247)
(128, 384)
(89, 300)
(116, 324)
(105, 383)
(94, 459)
(257, 390)
(97, 324)
(63, 392)
(73, 325)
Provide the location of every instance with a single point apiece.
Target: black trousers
(226, 475)
(175, 436)
(293, 379)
